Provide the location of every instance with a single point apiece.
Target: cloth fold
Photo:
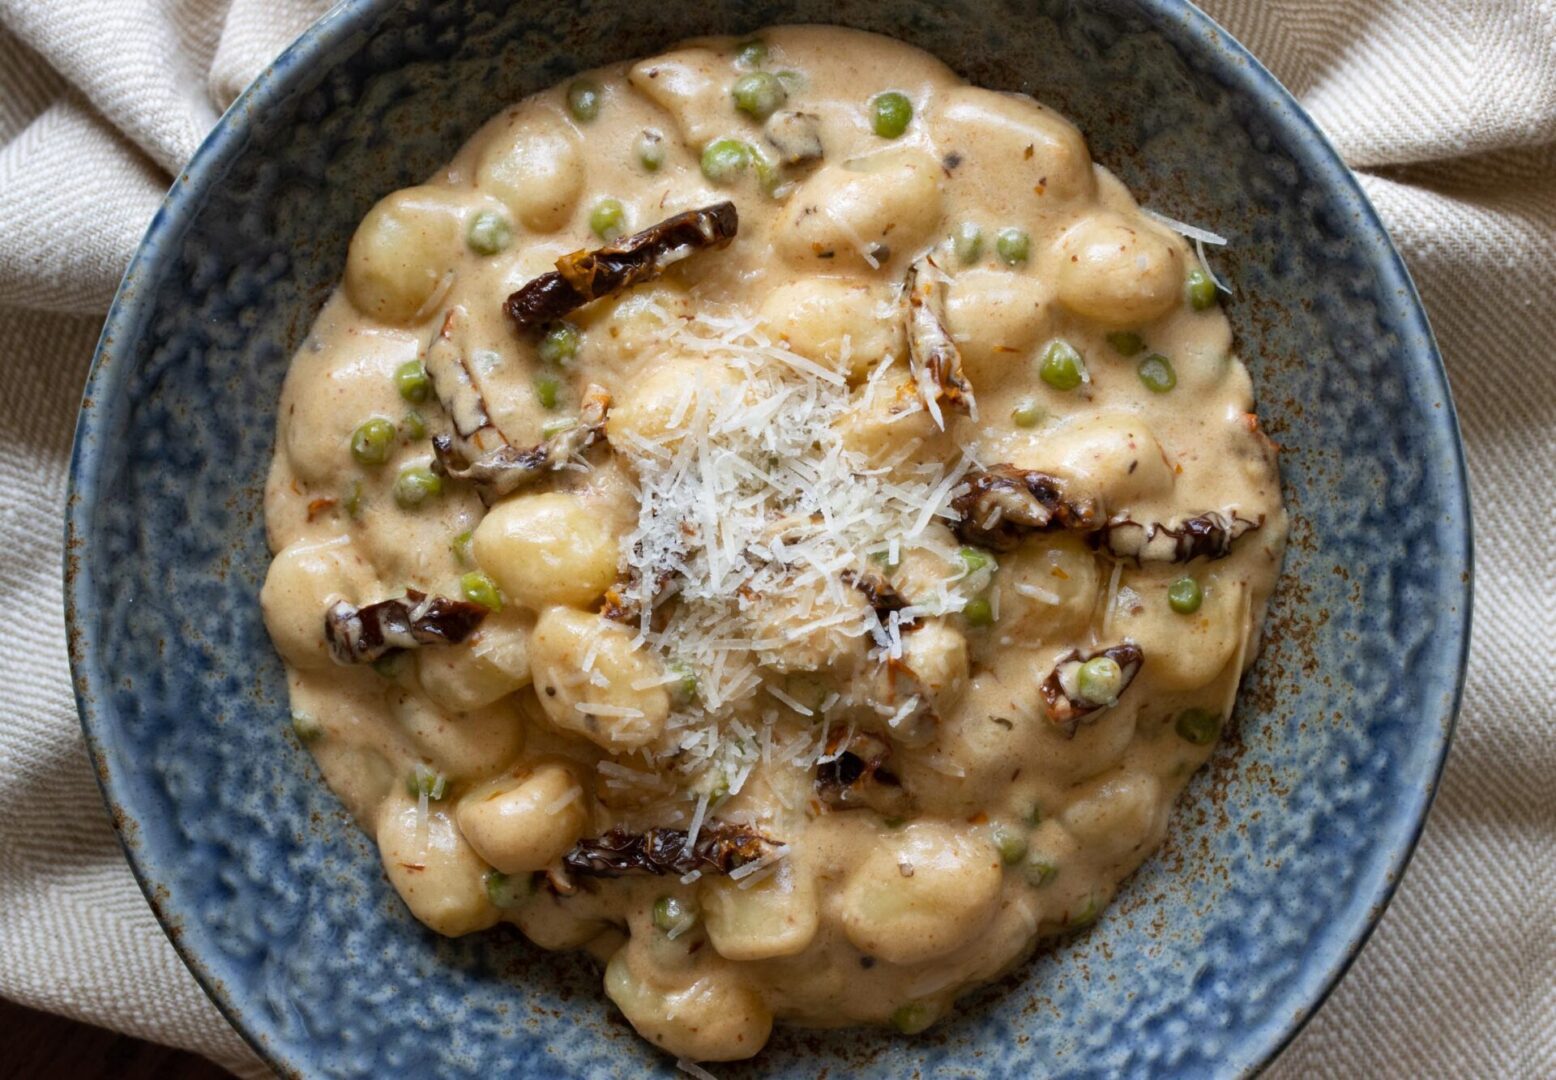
(1447, 108)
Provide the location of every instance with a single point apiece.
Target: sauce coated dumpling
(837, 323)
(774, 517)
(1118, 271)
(1028, 155)
(921, 895)
(616, 701)
(402, 256)
(523, 824)
(537, 169)
(435, 871)
(861, 211)
(547, 549)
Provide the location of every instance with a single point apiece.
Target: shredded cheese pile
(754, 519)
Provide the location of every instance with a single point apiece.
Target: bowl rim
(1180, 21)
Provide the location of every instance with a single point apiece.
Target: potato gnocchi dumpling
(712, 1017)
(1117, 271)
(1026, 155)
(860, 213)
(591, 681)
(435, 871)
(492, 664)
(922, 894)
(305, 578)
(775, 517)
(536, 168)
(549, 548)
(837, 323)
(402, 256)
(522, 824)
(775, 917)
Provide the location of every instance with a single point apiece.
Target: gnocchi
(1117, 271)
(401, 260)
(811, 605)
(524, 824)
(545, 549)
(921, 895)
(591, 681)
(535, 168)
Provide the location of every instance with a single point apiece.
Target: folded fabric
(1448, 110)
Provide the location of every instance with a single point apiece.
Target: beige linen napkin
(1448, 107)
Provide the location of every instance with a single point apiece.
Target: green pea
(759, 94)
(428, 782)
(413, 425)
(509, 890)
(1010, 842)
(373, 441)
(1198, 726)
(890, 114)
(1013, 246)
(978, 612)
(674, 915)
(480, 589)
(751, 53)
(768, 173)
(1184, 596)
(1126, 342)
(560, 344)
(1028, 414)
(884, 560)
(459, 547)
(415, 486)
(389, 666)
(1100, 680)
(306, 728)
(583, 99)
(608, 219)
(546, 391)
(410, 379)
(967, 242)
(912, 1018)
(1085, 917)
(489, 233)
(1157, 373)
(651, 150)
(973, 560)
(1040, 872)
(685, 687)
(353, 500)
(1062, 367)
(724, 160)
(1201, 290)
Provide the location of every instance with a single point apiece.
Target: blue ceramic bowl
(1283, 853)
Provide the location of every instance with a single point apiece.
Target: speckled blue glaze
(1283, 852)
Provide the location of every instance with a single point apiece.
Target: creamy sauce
(991, 820)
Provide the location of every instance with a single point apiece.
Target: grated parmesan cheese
(752, 497)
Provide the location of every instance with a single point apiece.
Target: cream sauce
(477, 766)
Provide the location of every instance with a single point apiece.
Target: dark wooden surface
(38, 1046)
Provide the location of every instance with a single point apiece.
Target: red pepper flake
(980, 818)
(318, 506)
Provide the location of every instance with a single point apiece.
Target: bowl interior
(1280, 856)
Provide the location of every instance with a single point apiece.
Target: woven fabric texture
(1446, 109)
